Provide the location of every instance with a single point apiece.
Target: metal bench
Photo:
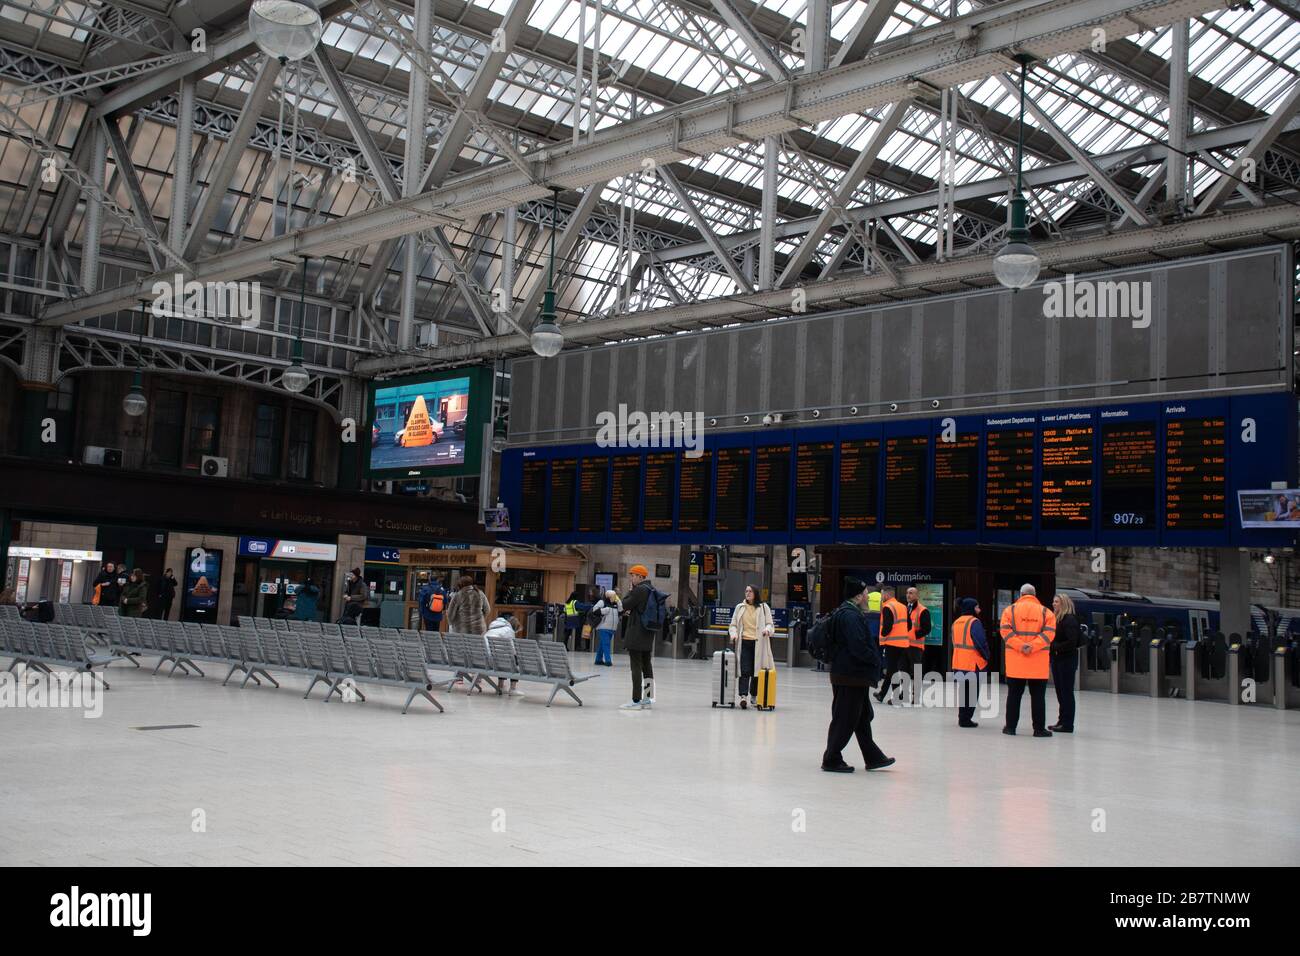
(41, 647)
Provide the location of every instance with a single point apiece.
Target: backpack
(437, 600)
(821, 640)
(594, 616)
(655, 611)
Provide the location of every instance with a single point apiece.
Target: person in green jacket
(135, 596)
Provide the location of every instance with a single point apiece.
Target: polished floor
(268, 778)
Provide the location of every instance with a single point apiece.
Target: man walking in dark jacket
(640, 640)
(855, 667)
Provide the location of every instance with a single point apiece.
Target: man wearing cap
(639, 639)
(855, 666)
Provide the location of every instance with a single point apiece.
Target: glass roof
(654, 55)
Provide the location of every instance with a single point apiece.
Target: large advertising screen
(202, 585)
(429, 425)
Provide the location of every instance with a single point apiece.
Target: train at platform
(1180, 618)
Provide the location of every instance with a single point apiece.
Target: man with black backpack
(845, 642)
(647, 610)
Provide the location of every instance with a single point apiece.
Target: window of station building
(519, 586)
(268, 441)
(166, 426)
(204, 429)
(302, 442)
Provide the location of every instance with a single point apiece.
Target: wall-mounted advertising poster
(1276, 510)
(202, 584)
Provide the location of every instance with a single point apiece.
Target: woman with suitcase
(751, 630)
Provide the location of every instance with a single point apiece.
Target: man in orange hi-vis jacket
(1027, 631)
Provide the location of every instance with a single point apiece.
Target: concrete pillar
(1234, 591)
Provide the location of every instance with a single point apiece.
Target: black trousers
(1063, 671)
(1037, 701)
(896, 662)
(748, 683)
(851, 715)
(643, 668)
(968, 695)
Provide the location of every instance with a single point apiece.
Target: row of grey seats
(338, 662)
(479, 658)
(40, 646)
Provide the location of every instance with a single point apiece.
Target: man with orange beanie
(646, 609)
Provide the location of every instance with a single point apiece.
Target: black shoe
(1008, 731)
(841, 768)
(967, 723)
(882, 764)
(880, 698)
(1058, 729)
(1042, 733)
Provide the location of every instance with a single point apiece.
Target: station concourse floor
(500, 781)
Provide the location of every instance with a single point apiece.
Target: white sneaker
(631, 705)
(647, 703)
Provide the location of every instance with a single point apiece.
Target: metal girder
(767, 215)
(1038, 178)
(232, 47)
(934, 55)
(844, 190)
(85, 181)
(753, 41)
(1146, 243)
(223, 172)
(489, 71)
(139, 205)
(181, 165)
(1095, 172)
(865, 32)
(79, 83)
(1252, 152)
(702, 225)
(1179, 116)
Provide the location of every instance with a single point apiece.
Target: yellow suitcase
(766, 698)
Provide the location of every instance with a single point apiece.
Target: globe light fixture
(134, 403)
(546, 338)
(285, 29)
(1016, 264)
(295, 378)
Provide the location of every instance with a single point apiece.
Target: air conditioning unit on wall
(213, 467)
(108, 457)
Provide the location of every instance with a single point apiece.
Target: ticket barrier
(1205, 668)
(1095, 660)
(1130, 661)
(798, 631)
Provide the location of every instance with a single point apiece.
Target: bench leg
(421, 692)
(128, 656)
(274, 682)
(230, 673)
(99, 678)
(189, 663)
(555, 689)
(316, 679)
(161, 662)
(248, 674)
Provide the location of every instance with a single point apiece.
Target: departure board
(859, 484)
(564, 483)
(532, 514)
(657, 502)
(693, 493)
(956, 482)
(592, 483)
(625, 494)
(1196, 482)
(905, 468)
(731, 490)
(1009, 479)
(1128, 475)
(771, 488)
(812, 486)
(1066, 503)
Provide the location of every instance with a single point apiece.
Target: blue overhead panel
(1144, 473)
